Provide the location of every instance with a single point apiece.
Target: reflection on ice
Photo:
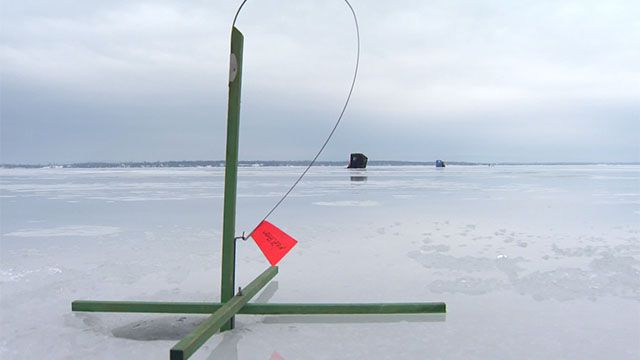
(353, 319)
(228, 347)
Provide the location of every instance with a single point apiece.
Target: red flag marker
(273, 242)
(276, 356)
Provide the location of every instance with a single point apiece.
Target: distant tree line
(249, 163)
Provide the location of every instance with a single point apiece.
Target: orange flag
(273, 242)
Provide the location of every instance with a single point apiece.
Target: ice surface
(533, 261)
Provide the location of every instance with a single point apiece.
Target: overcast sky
(474, 80)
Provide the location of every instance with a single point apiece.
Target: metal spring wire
(344, 108)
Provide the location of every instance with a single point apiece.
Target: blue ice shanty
(440, 164)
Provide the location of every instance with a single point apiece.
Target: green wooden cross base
(221, 313)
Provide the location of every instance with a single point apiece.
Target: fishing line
(344, 108)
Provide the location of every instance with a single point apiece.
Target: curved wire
(237, 13)
(344, 108)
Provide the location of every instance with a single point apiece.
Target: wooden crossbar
(259, 309)
(192, 342)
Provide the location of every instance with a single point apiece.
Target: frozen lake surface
(533, 261)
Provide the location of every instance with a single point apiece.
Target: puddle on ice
(71, 230)
(347, 203)
(605, 275)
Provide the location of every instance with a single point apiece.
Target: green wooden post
(231, 174)
(190, 343)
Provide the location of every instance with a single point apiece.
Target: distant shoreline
(259, 163)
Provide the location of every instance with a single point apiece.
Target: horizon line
(218, 163)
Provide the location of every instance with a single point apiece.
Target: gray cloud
(463, 80)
